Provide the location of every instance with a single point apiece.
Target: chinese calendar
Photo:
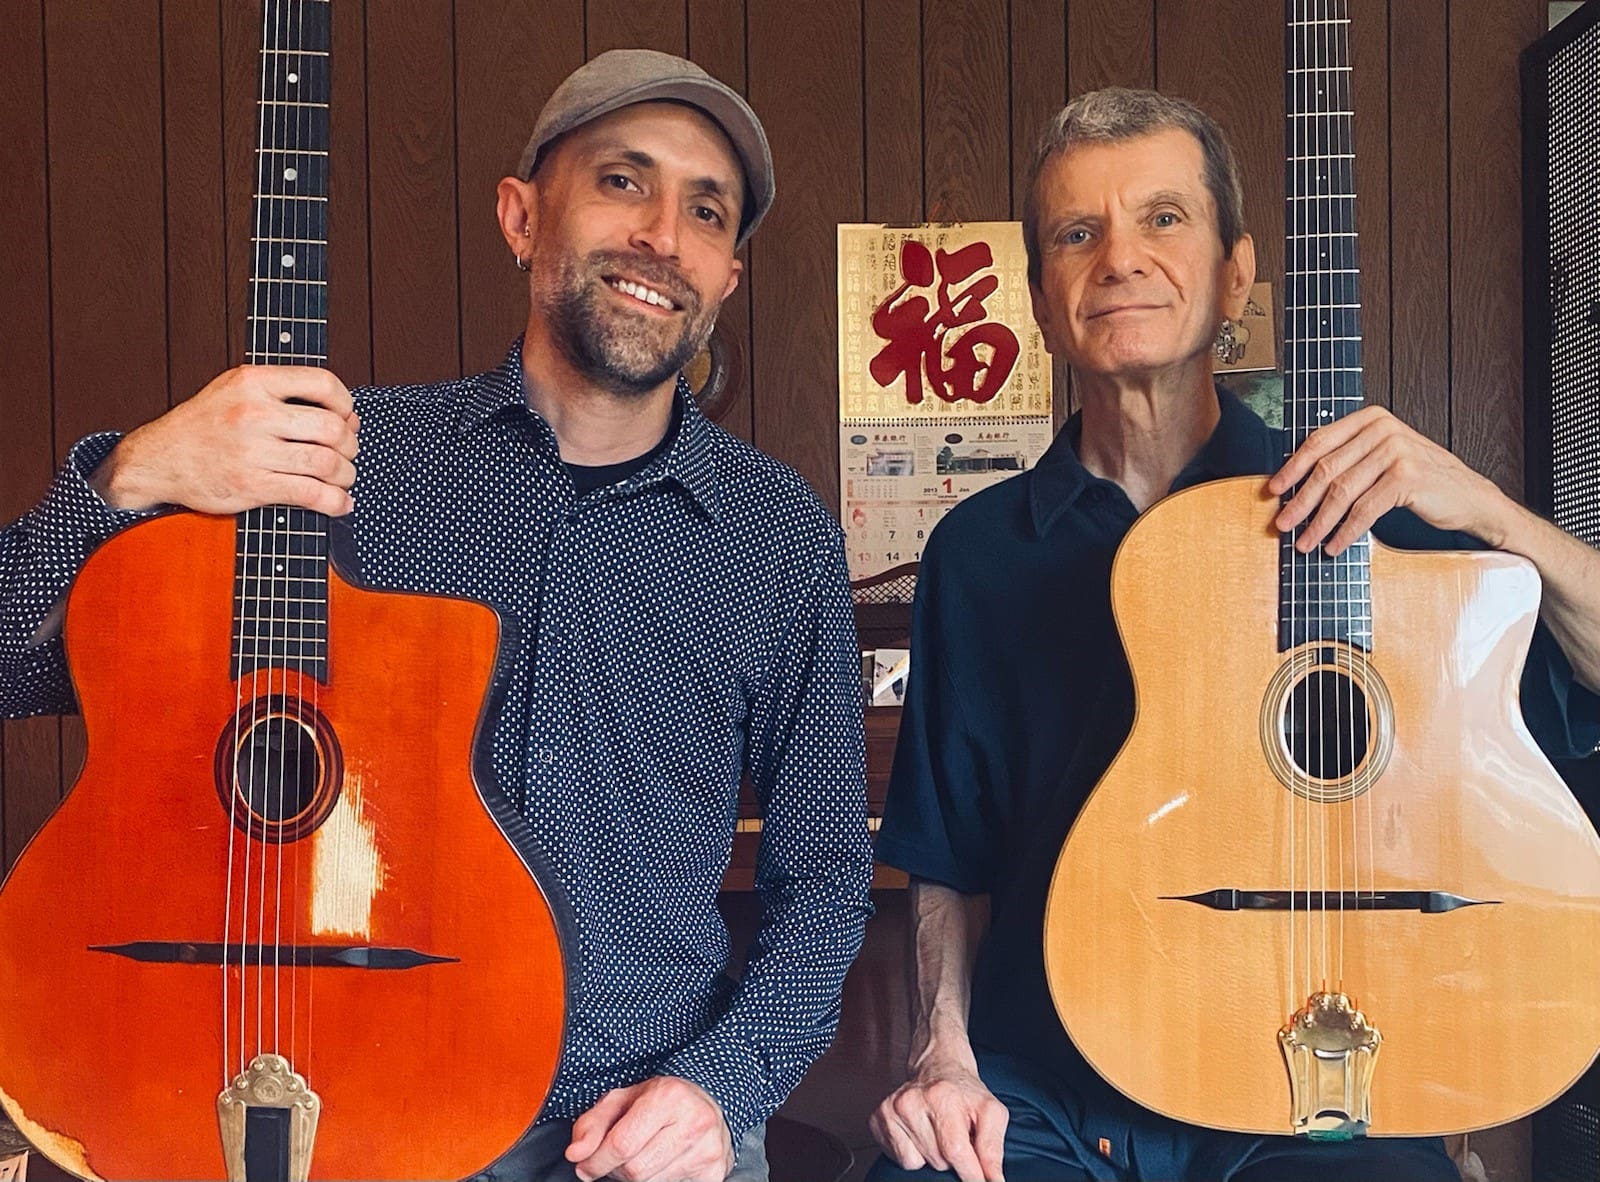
(944, 384)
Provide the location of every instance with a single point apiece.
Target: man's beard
(626, 354)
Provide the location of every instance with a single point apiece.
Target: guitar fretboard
(1320, 598)
(281, 591)
(281, 553)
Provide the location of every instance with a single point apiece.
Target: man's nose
(1122, 254)
(657, 229)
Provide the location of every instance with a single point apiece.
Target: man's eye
(1075, 237)
(708, 215)
(616, 180)
(1165, 219)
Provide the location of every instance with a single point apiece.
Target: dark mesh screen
(1562, 101)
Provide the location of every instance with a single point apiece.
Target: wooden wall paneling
(1485, 248)
(716, 36)
(350, 353)
(892, 84)
(966, 113)
(196, 230)
(1190, 41)
(29, 750)
(108, 277)
(1112, 43)
(509, 56)
(411, 161)
(1038, 81)
(1419, 216)
(637, 24)
(1369, 50)
(29, 452)
(818, 157)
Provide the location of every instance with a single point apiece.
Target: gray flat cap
(621, 77)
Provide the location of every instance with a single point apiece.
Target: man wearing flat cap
(677, 601)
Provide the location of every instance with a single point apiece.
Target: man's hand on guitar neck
(1359, 467)
(256, 435)
(663, 1128)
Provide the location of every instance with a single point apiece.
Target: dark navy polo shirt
(1020, 695)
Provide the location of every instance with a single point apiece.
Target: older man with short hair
(1137, 254)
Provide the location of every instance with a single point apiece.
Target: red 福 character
(917, 333)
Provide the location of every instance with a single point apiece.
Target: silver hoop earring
(522, 263)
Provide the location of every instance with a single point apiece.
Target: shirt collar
(690, 461)
(1240, 445)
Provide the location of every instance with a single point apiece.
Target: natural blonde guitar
(1487, 1004)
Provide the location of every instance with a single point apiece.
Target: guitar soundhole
(278, 768)
(1325, 723)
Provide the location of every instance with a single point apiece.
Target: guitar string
(1328, 567)
(1318, 556)
(303, 303)
(1291, 432)
(1341, 210)
(250, 562)
(1364, 782)
(1296, 594)
(285, 516)
(279, 564)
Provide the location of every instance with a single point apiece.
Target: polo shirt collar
(1241, 444)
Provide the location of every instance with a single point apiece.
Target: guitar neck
(281, 581)
(1320, 598)
(287, 322)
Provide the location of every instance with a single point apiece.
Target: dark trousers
(1059, 1133)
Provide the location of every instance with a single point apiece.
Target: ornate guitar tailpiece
(1331, 1052)
(268, 1118)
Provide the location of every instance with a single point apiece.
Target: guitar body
(112, 1064)
(1487, 1011)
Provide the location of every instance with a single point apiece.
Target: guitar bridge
(1331, 1052)
(268, 1120)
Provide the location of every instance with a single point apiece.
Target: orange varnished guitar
(1330, 886)
(274, 931)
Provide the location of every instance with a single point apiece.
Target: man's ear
(517, 207)
(1239, 277)
(733, 278)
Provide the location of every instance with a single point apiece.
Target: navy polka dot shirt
(668, 635)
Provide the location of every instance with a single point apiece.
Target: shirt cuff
(728, 1071)
(74, 492)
